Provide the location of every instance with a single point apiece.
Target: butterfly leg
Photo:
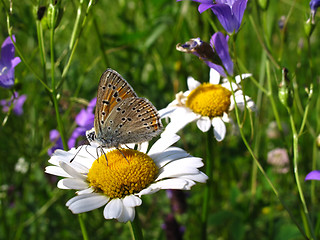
(122, 154)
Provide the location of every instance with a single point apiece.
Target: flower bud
(318, 141)
(308, 27)
(263, 4)
(285, 89)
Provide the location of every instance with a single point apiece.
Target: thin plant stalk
(208, 186)
(260, 166)
(135, 228)
(54, 94)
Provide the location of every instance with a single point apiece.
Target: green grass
(138, 39)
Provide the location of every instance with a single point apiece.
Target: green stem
(259, 165)
(135, 228)
(262, 43)
(270, 95)
(83, 228)
(54, 94)
(208, 186)
(41, 48)
(74, 43)
(296, 175)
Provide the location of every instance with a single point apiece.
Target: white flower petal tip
(214, 76)
(86, 202)
(243, 76)
(219, 129)
(204, 124)
(192, 83)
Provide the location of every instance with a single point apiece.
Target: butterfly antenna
(76, 154)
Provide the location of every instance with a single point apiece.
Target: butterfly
(121, 117)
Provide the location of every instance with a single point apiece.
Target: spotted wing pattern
(132, 120)
(113, 88)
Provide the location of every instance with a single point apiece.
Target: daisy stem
(135, 228)
(208, 186)
(83, 228)
(259, 165)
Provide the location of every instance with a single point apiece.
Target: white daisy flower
(208, 104)
(118, 178)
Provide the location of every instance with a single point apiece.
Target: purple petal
(84, 118)
(226, 18)
(216, 67)
(92, 105)
(7, 50)
(220, 45)
(18, 104)
(79, 131)
(54, 136)
(204, 6)
(15, 62)
(314, 4)
(314, 175)
(6, 77)
(238, 9)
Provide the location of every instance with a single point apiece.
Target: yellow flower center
(119, 176)
(210, 100)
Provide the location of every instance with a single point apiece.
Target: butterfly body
(121, 117)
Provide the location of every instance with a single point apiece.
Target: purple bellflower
(215, 55)
(229, 12)
(314, 4)
(8, 63)
(17, 102)
(84, 120)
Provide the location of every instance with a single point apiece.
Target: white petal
(85, 191)
(58, 171)
(171, 171)
(132, 201)
(168, 155)
(226, 85)
(219, 128)
(144, 147)
(74, 183)
(166, 112)
(204, 124)
(243, 76)
(192, 83)
(163, 143)
(113, 209)
(241, 104)
(214, 76)
(174, 183)
(127, 214)
(200, 177)
(180, 119)
(226, 119)
(70, 170)
(61, 185)
(86, 202)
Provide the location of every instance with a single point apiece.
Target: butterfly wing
(112, 89)
(133, 120)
